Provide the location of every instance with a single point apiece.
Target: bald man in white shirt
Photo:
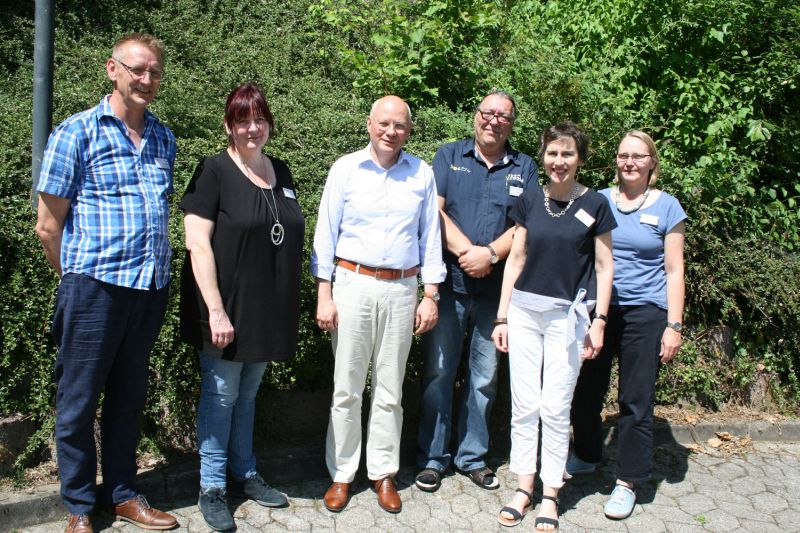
(378, 228)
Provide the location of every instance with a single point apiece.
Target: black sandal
(544, 520)
(516, 515)
(483, 477)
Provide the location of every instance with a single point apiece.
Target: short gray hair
(502, 94)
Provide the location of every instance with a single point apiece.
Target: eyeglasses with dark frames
(502, 118)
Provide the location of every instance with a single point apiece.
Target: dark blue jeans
(462, 318)
(104, 335)
(634, 334)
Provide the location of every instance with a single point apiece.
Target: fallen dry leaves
(723, 445)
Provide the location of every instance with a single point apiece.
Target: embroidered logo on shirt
(459, 169)
(515, 179)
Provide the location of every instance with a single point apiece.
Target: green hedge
(721, 98)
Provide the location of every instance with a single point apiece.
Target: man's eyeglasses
(139, 72)
(502, 118)
(638, 159)
(399, 127)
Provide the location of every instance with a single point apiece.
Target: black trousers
(634, 334)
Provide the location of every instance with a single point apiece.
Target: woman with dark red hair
(240, 296)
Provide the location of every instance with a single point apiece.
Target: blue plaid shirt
(117, 228)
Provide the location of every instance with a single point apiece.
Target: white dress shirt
(379, 217)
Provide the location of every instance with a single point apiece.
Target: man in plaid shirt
(103, 222)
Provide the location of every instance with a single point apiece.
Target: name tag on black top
(585, 217)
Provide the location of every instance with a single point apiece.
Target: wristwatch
(432, 295)
(677, 326)
(493, 259)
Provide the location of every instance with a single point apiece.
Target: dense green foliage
(714, 81)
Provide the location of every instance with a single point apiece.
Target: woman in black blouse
(240, 296)
(559, 272)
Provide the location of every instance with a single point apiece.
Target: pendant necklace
(633, 209)
(276, 233)
(572, 197)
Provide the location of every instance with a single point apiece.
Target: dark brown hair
(561, 131)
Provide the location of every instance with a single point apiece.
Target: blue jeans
(462, 318)
(104, 335)
(225, 418)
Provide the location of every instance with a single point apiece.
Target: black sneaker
(215, 510)
(256, 489)
(429, 480)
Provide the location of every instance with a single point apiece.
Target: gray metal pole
(42, 86)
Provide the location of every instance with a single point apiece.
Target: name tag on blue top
(514, 190)
(162, 163)
(649, 219)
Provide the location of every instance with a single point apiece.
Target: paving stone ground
(758, 490)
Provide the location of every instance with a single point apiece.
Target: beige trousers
(376, 321)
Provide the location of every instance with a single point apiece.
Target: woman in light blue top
(644, 322)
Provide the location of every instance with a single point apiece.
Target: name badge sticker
(513, 190)
(162, 163)
(585, 217)
(649, 219)
(289, 193)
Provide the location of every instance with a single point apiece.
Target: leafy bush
(715, 81)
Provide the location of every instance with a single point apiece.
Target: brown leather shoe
(79, 523)
(336, 496)
(138, 512)
(388, 498)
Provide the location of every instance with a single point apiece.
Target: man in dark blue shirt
(478, 182)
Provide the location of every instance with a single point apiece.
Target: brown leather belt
(378, 273)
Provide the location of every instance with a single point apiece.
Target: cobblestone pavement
(758, 490)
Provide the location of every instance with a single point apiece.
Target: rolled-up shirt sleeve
(432, 269)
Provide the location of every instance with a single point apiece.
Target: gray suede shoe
(256, 489)
(215, 510)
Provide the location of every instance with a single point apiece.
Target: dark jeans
(104, 335)
(462, 318)
(634, 333)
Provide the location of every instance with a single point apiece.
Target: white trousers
(376, 322)
(543, 372)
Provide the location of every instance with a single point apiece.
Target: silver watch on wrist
(435, 296)
(677, 326)
(493, 259)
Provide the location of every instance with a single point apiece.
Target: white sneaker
(620, 503)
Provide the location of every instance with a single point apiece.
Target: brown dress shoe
(336, 496)
(388, 498)
(79, 523)
(138, 512)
